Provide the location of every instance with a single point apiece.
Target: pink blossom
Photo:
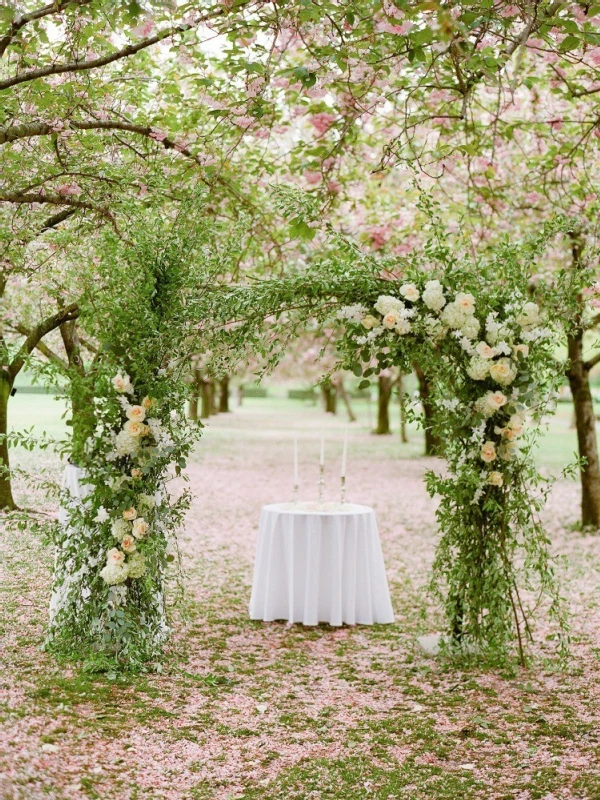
(69, 190)
(509, 11)
(158, 136)
(144, 29)
(312, 177)
(322, 121)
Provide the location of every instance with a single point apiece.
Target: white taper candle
(296, 479)
(345, 453)
(322, 456)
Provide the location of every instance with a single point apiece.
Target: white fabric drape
(316, 566)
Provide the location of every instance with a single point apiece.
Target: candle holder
(343, 489)
(321, 481)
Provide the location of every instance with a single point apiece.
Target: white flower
(435, 329)
(466, 302)
(140, 528)
(496, 400)
(136, 413)
(145, 501)
(453, 316)
(353, 313)
(478, 369)
(115, 557)
(502, 371)
(484, 350)
(488, 452)
(102, 515)
(114, 573)
(492, 327)
(135, 428)
(410, 292)
(136, 565)
(496, 478)
(403, 327)
(122, 383)
(503, 348)
(130, 513)
(390, 320)
(128, 544)
(470, 327)
(126, 444)
(529, 316)
(433, 296)
(372, 335)
(120, 528)
(386, 304)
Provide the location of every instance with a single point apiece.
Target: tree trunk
(329, 398)
(578, 373)
(432, 442)
(383, 405)
(341, 390)
(207, 398)
(195, 395)
(6, 497)
(402, 401)
(224, 395)
(585, 421)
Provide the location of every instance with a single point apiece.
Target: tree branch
(18, 327)
(40, 13)
(36, 334)
(591, 363)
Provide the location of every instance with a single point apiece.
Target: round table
(320, 563)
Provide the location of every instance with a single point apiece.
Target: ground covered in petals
(264, 711)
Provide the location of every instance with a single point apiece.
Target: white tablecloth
(320, 566)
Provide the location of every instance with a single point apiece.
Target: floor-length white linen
(320, 566)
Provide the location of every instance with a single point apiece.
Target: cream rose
(465, 301)
(521, 348)
(488, 452)
(135, 428)
(115, 557)
(140, 528)
(390, 320)
(410, 292)
(136, 473)
(496, 400)
(130, 513)
(128, 544)
(496, 478)
(136, 413)
(147, 402)
(502, 371)
(484, 350)
(122, 383)
(369, 322)
(516, 424)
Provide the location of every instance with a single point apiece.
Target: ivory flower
(136, 565)
(130, 513)
(516, 424)
(410, 292)
(385, 303)
(128, 544)
(496, 478)
(136, 413)
(496, 400)
(369, 322)
(147, 402)
(114, 573)
(140, 528)
(122, 383)
(136, 473)
(135, 428)
(521, 348)
(390, 320)
(478, 369)
(115, 557)
(403, 327)
(120, 528)
(102, 515)
(433, 296)
(466, 302)
(484, 350)
(488, 451)
(502, 371)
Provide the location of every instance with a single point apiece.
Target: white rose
(496, 400)
(115, 557)
(128, 544)
(140, 528)
(488, 452)
(130, 513)
(136, 413)
(369, 322)
(122, 383)
(135, 428)
(496, 478)
(433, 296)
(502, 371)
(484, 350)
(466, 302)
(410, 292)
(390, 320)
(521, 348)
(385, 303)
(102, 515)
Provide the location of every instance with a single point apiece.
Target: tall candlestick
(345, 453)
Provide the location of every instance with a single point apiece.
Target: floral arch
(485, 338)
